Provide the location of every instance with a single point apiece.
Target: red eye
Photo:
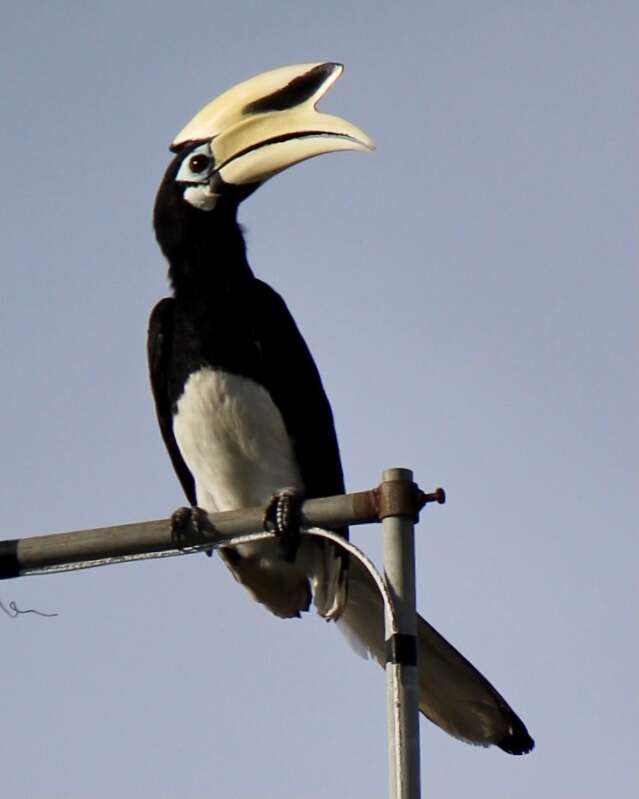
(199, 163)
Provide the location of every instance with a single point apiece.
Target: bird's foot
(187, 521)
(283, 516)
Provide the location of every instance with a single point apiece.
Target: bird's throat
(210, 259)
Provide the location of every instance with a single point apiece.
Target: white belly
(232, 438)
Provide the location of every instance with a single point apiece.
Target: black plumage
(222, 317)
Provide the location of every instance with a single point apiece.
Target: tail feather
(453, 694)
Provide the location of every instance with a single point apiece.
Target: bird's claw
(282, 517)
(188, 521)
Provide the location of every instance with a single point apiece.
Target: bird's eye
(199, 163)
(196, 167)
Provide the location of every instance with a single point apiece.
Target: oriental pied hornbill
(239, 399)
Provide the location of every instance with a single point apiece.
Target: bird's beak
(268, 123)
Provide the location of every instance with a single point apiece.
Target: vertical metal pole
(401, 647)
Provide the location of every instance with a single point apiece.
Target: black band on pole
(9, 566)
(401, 648)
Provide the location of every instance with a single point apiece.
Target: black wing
(290, 376)
(159, 345)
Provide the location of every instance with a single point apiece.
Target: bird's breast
(233, 438)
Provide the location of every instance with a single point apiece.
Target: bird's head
(245, 136)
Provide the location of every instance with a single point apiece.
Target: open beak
(268, 123)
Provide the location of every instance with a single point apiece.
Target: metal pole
(396, 503)
(398, 510)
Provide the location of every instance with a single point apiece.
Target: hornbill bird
(239, 400)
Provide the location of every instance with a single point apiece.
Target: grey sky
(469, 291)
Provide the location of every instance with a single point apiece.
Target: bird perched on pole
(239, 400)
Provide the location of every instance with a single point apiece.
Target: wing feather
(159, 345)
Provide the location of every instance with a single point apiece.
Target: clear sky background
(470, 294)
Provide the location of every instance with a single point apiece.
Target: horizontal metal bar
(103, 545)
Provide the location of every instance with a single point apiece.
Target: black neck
(205, 249)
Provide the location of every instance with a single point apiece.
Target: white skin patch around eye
(197, 191)
(196, 166)
(201, 197)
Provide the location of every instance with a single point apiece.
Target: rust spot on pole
(366, 505)
(399, 498)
